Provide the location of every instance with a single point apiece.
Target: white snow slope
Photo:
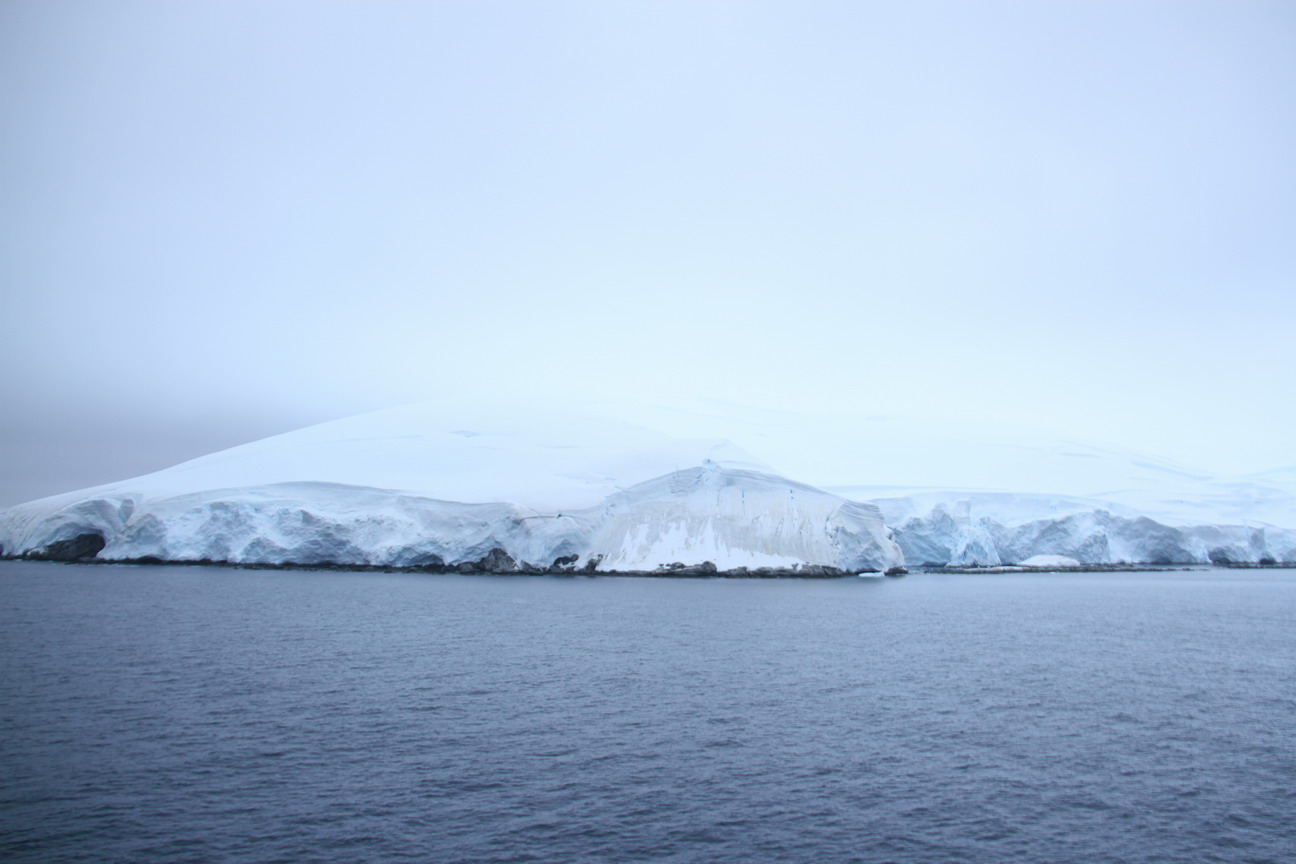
(425, 484)
(603, 485)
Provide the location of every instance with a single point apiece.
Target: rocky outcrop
(76, 548)
(494, 561)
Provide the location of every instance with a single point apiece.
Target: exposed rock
(706, 568)
(74, 549)
(818, 570)
(498, 561)
(430, 561)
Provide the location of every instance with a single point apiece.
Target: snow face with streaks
(736, 518)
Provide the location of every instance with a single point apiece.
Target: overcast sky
(220, 220)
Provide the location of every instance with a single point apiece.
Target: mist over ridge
(249, 217)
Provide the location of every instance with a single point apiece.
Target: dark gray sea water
(187, 714)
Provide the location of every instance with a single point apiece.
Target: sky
(224, 220)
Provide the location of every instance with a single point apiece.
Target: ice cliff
(495, 490)
(511, 487)
(989, 529)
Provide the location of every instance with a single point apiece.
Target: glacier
(989, 529)
(602, 487)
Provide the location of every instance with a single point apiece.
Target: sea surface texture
(188, 714)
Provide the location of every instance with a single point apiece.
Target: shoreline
(706, 570)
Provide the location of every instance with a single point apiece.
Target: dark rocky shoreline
(84, 549)
(706, 570)
(1116, 568)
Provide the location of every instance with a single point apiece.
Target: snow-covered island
(523, 490)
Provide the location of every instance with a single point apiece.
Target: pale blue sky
(223, 219)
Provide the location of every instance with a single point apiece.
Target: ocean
(194, 714)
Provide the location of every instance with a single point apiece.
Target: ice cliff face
(729, 517)
(1009, 529)
(737, 518)
(512, 486)
(502, 488)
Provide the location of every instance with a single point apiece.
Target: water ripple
(182, 714)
